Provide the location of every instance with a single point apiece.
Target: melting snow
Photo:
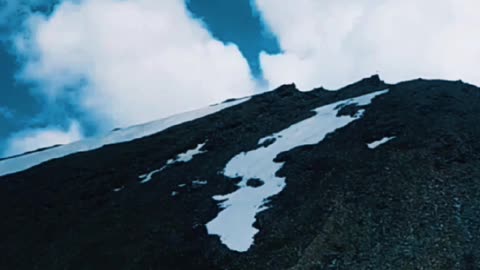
(234, 224)
(376, 144)
(24, 162)
(118, 189)
(197, 183)
(148, 176)
(183, 157)
(187, 156)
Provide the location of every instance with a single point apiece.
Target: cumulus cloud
(32, 139)
(130, 61)
(335, 42)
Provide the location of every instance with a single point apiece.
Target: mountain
(371, 176)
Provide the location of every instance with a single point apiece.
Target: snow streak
(183, 157)
(376, 144)
(234, 224)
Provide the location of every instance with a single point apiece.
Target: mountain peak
(286, 88)
(358, 178)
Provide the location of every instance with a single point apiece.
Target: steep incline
(366, 178)
(28, 160)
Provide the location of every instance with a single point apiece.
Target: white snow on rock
(27, 161)
(183, 157)
(234, 224)
(199, 182)
(148, 176)
(376, 144)
(187, 156)
(118, 189)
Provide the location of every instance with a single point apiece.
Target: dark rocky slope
(413, 203)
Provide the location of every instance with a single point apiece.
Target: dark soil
(412, 203)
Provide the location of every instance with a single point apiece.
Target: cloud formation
(334, 42)
(32, 139)
(130, 61)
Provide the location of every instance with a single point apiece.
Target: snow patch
(234, 224)
(187, 156)
(196, 183)
(118, 189)
(376, 144)
(180, 158)
(148, 176)
(27, 161)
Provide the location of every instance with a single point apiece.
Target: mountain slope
(394, 187)
(30, 159)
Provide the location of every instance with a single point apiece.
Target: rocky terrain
(397, 186)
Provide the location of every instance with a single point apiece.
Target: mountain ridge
(411, 202)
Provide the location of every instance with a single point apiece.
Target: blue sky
(229, 21)
(80, 68)
(237, 21)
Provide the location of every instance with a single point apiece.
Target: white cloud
(135, 60)
(335, 42)
(32, 139)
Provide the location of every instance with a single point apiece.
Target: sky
(31, 118)
(71, 69)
